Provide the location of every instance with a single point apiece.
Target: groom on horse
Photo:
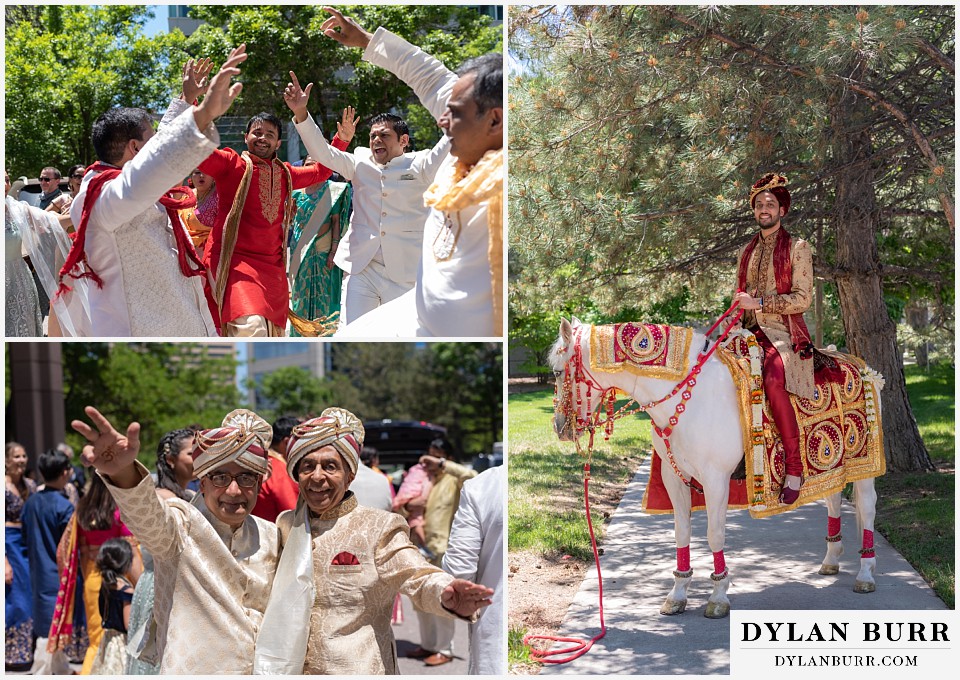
(774, 288)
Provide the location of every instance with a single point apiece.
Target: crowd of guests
(250, 549)
(257, 247)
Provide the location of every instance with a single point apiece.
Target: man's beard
(265, 155)
(772, 222)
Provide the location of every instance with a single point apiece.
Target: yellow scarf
(467, 187)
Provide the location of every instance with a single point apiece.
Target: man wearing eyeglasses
(50, 191)
(214, 561)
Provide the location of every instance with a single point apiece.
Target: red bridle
(576, 375)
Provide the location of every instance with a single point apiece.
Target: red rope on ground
(580, 647)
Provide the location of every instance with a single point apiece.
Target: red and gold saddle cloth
(841, 438)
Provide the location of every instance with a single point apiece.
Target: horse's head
(571, 406)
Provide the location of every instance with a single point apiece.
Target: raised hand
(297, 98)
(465, 598)
(221, 94)
(347, 126)
(432, 463)
(195, 79)
(344, 30)
(112, 453)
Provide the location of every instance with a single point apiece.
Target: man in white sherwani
(381, 249)
(459, 286)
(215, 562)
(149, 280)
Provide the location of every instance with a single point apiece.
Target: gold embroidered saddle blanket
(841, 438)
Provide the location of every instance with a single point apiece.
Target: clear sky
(159, 22)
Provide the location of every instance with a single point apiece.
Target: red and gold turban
(243, 438)
(335, 427)
(776, 184)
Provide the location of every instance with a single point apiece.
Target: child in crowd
(411, 500)
(116, 593)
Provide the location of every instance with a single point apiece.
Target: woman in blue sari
(322, 217)
(18, 629)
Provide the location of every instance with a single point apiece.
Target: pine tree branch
(946, 200)
(939, 57)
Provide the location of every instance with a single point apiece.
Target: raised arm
(431, 81)
(304, 177)
(330, 157)
(168, 156)
(114, 456)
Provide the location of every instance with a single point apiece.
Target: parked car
(28, 190)
(484, 461)
(400, 443)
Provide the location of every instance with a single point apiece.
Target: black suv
(400, 443)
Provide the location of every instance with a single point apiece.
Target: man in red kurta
(278, 492)
(246, 251)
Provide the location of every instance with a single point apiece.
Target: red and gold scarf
(783, 272)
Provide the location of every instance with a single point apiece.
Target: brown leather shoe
(437, 659)
(419, 653)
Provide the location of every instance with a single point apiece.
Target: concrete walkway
(639, 556)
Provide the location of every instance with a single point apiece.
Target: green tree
(637, 131)
(292, 390)
(65, 65)
(283, 38)
(466, 393)
(456, 385)
(163, 386)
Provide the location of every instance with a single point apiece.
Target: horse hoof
(864, 587)
(829, 569)
(717, 610)
(672, 607)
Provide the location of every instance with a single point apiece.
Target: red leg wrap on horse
(683, 559)
(719, 564)
(868, 544)
(833, 526)
(775, 389)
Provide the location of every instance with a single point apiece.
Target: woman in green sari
(322, 217)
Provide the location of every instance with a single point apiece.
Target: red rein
(592, 421)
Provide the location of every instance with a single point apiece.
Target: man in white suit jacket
(381, 250)
(475, 552)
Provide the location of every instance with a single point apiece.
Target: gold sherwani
(212, 583)
(761, 282)
(350, 619)
(442, 504)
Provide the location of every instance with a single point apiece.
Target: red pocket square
(345, 558)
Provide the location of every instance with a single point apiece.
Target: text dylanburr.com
(796, 643)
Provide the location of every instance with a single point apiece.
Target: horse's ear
(566, 331)
(575, 321)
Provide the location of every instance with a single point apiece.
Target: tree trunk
(871, 334)
(918, 316)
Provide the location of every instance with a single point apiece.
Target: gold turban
(243, 438)
(335, 427)
(776, 184)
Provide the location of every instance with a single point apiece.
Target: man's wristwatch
(761, 302)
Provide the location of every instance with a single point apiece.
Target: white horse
(707, 444)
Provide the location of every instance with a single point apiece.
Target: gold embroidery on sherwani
(761, 282)
(350, 630)
(271, 182)
(212, 582)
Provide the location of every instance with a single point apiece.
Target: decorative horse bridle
(568, 396)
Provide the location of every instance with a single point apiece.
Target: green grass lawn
(546, 477)
(915, 511)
